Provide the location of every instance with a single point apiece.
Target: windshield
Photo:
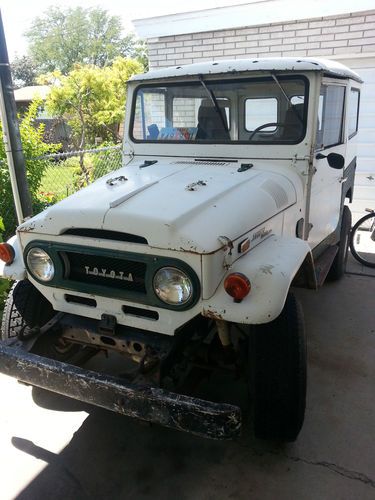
(262, 110)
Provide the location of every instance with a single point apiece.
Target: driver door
(326, 188)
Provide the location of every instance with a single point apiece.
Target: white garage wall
(340, 36)
(364, 194)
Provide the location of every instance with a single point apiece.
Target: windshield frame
(212, 81)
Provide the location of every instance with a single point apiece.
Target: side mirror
(335, 160)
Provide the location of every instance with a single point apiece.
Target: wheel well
(305, 276)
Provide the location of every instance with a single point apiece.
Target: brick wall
(326, 36)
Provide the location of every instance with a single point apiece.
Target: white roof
(31, 92)
(332, 68)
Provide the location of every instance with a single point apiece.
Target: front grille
(105, 272)
(99, 270)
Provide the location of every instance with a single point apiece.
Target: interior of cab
(262, 110)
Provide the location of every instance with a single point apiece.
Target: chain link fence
(62, 175)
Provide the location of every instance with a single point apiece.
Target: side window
(353, 112)
(259, 112)
(330, 116)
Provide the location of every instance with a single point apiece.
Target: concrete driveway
(93, 454)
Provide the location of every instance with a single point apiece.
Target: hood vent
(106, 235)
(277, 192)
(202, 162)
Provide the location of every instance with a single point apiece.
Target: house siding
(324, 36)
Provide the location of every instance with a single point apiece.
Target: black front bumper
(184, 413)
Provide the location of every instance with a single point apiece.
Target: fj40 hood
(174, 204)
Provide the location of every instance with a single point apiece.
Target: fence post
(11, 135)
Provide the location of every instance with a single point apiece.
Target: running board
(323, 264)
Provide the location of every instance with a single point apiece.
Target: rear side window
(353, 112)
(260, 111)
(330, 116)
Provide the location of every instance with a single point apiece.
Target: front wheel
(362, 240)
(277, 362)
(26, 308)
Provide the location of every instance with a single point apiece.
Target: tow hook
(107, 325)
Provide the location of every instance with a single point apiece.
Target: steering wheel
(265, 125)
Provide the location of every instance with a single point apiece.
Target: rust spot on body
(212, 314)
(26, 229)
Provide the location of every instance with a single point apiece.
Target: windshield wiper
(290, 105)
(213, 99)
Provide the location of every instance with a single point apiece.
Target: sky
(18, 14)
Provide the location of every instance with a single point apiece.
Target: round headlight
(40, 264)
(173, 286)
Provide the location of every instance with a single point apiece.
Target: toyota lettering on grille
(105, 273)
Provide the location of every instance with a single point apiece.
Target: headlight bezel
(33, 272)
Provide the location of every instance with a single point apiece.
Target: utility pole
(11, 135)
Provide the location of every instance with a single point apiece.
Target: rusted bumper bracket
(184, 413)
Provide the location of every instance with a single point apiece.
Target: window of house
(353, 112)
(330, 116)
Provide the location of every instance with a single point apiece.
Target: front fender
(16, 270)
(270, 267)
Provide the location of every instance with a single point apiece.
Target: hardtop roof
(332, 68)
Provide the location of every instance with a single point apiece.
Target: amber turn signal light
(6, 253)
(237, 286)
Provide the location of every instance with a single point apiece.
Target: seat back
(210, 124)
(293, 122)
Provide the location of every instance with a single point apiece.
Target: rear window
(353, 112)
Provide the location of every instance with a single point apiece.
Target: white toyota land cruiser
(232, 190)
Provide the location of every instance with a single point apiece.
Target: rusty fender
(184, 413)
(270, 267)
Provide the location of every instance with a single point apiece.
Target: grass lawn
(58, 180)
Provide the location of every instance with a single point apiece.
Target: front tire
(278, 368)
(24, 308)
(27, 308)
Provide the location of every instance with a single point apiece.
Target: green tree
(24, 71)
(63, 37)
(33, 147)
(92, 99)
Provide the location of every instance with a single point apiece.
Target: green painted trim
(154, 263)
